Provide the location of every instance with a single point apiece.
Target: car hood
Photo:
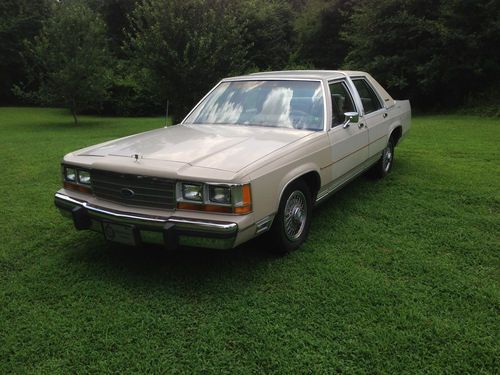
(225, 147)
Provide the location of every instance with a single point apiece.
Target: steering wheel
(298, 118)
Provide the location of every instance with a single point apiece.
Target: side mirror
(350, 117)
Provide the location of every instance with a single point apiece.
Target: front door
(349, 145)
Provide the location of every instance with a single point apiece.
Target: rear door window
(370, 100)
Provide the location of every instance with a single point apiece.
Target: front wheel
(292, 222)
(384, 165)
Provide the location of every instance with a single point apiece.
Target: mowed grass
(398, 276)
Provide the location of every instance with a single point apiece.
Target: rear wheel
(384, 165)
(292, 222)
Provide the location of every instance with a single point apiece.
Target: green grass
(398, 276)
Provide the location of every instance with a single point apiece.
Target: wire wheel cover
(295, 215)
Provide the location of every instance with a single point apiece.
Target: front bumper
(169, 231)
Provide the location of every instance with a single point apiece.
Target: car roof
(300, 74)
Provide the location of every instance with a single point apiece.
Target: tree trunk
(73, 112)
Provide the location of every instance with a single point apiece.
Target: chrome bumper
(170, 231)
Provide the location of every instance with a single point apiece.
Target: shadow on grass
(204, 261)
(200, 268)
(155, 265)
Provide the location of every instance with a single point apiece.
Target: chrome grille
(146, 191)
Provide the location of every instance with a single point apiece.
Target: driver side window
(341, 102)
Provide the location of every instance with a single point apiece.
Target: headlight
(192, 192)
(76, 179)
(220, 198)
(70, 174)
(84, 177)
(219, 194)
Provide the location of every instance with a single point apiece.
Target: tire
(291, 223)
(384, 165)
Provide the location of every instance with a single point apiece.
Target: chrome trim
(336, 187)
(77, 169)
(381, 101)
(144, 191)
(227, 184)
(349, 88)
(295, 215)
(188, 224)
(206, 194)
(197, 224)
(123, 215)
(264, 224)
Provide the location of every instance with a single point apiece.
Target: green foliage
(19, 20)
(115, 14)
(70, 59)
(175, 50)
(435, 52)
(398, 276)
(183, 47)
(268, 32)
(317, 32)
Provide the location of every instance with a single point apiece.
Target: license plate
(124, 234)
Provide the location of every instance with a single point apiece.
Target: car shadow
(200, 268)
(178, 270)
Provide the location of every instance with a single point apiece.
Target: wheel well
(313, 181)
(396, 134)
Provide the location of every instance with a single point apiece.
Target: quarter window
(341, 102)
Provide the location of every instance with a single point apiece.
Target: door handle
(384, 115)
(361, 125)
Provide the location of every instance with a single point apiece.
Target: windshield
(284, 104)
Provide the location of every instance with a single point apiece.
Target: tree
(317, 29)
(70, 59)
(180, 48)
(115, 14)
(437, 53)
(269, 29)
(470, 36)
(19, 20)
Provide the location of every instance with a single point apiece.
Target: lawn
(398, 276)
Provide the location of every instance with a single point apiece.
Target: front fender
(293, 175)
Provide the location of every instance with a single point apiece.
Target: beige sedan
(253, 156)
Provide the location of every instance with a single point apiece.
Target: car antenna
(166, 113)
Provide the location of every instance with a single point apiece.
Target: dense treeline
(135, 56)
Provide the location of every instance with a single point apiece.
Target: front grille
(135, 190)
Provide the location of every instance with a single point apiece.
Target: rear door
(348, 144)
(376, 116)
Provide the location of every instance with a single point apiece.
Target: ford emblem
(127, 193)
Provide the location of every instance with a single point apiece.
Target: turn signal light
(204, 207)
(246, 204)
(75, 187)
